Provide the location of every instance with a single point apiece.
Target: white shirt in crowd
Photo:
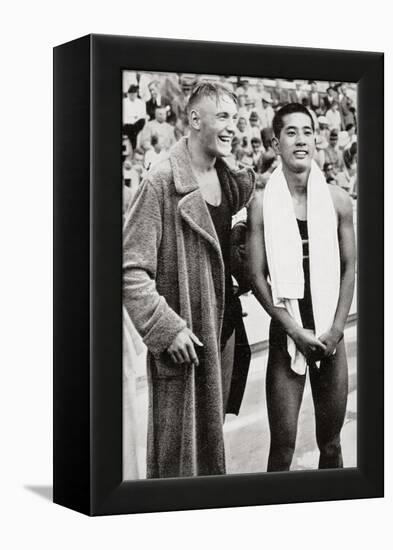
(334, 119)
(133, 110)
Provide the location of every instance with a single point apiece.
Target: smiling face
(215, 121)
(296, 143)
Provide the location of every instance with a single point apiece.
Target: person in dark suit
(156, 100)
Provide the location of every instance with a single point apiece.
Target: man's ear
(276, 145)
(195, 119)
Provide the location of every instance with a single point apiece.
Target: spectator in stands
(259, 89)
(256, 153)
(255, 127)
(266, 114)
(129, 77)
(347, 179)
(243, 133)
(246, 90)
(323, 127)
(158, 127)
(306, 104)
(352, 137)
(333, 117)
(242, 109)
(156, 153)
(314, 98)
(280, 96)
(296, 95)
(134, 115)
(133, 172)
(156, 100)
(179, 105)
(328, 171)
(346, 107)
(267, 141)
(319, 153)
(329, 98)
(333, 155)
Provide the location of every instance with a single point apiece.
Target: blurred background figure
(179, 105)
(333, 155)
(266, 113)
(255, 127)
(256, 152)
(156, 100)
(280, 96)
(321, 145)
(333, 116)
(243, 133)
(296, 95)
(329, 173)
(157, 127)
(134, 115)
(346, 107)
(347, 179)
(156, 153)
(314, 99)
(323, 127)
(329, 98)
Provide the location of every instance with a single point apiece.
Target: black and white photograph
(239, 274)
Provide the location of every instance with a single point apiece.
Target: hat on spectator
(133, 89)
(323, 120)
(187, 80)
(266, 97)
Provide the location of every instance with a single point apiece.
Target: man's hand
(331, 338)
(182, 349)
(308, 344)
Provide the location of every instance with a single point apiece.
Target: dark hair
(326, 166)
(267, 161)
(213, 90)
(288, 109)
(349, 155)
(349, 126)
(305, 102)
(154, 139)
(256, 140)
(267, 136)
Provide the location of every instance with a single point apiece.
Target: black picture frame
(88, 277)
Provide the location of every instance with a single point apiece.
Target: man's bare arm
(347, 246)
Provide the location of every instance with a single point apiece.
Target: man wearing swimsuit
(294, 141)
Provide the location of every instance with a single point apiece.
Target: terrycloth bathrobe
(174, 277)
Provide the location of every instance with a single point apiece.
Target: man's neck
(201, 162)
(297, 183)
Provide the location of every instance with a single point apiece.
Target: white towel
(285, 253)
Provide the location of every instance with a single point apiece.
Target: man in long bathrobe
(178, 291)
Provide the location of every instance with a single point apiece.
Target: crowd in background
(155, 117)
